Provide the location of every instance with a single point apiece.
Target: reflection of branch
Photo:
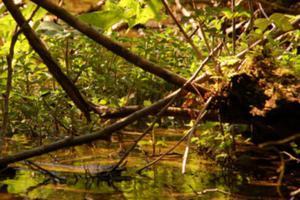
(281, 170)
(192, 132)
(52, 175)
(30, 189)
(205, 191)
(187, 135)
(164, 154)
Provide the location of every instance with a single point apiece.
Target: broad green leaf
(102, 19)
(227, 13)
(131, 8)
(151, 11)
(262, 23)
(281, 21)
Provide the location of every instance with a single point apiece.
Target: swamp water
(162, 181)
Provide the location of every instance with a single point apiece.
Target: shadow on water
(163, 181)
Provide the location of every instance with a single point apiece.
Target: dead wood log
(244, 100)
(187, 113)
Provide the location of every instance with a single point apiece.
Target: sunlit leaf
(102, 19)
(281, 21)
(262, 23)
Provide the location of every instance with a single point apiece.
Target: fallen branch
(280, 142)
(202, 113)
(277, 33)
(9, 60)
(110, 113)
(52, 65)
(170, 102)
(117, 48)
(187, 135)
(103, 134)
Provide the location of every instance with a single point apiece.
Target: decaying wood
(244, 100)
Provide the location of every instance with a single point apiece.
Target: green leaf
(151, 11)
(227, 13)
(262, 23)
(103, 102)
(131, 8)
(147, 103)
(281, 21)
(103, 19)
(228, 60)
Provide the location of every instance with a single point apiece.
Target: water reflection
(163, 181)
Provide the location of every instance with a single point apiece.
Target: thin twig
(209, 190)
(189, 132)
(9, 59)
(280, 142)
(291, 157)
(277, 35)
(204, 37)
(264, 13)
(175, 95)
(296, 192)
(233, 26)
(192, 132)
(164, 154)
(187, 38)
(52, 175)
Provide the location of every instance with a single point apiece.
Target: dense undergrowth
(38, 105)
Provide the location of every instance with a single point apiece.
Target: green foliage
(130, 11)
(39, 106)
(218, 141)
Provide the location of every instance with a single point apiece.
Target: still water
(162, 181)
